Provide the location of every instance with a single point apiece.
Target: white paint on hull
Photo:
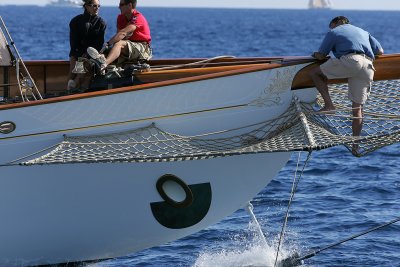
(90, 211)
(74, 212)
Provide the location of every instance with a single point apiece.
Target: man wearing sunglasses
(86, 30)
(132, 40)
(354, 50)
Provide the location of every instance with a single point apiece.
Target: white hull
(65, 213)
(186, 109)
(76, 212)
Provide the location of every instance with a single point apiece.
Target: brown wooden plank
(52, 75)
(387, 68)
(246, 69)
(165, 75)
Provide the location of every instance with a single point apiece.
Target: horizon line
(223, 7)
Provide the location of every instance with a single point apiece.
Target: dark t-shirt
(85, 31)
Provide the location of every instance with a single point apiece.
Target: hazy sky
(297, 4)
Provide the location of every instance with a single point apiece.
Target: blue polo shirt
(346, 39)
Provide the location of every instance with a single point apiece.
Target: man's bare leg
(357, 119)
(118, 48)
(72, 79)
(320, 82)
(357, 125)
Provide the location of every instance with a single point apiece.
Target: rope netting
(381, 116)
(300, 128)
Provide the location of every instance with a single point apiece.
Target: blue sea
(338, 195)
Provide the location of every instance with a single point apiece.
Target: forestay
(5, 56)
(300, 128)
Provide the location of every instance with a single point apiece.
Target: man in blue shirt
(354, 50)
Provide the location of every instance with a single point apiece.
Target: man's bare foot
(355, 150)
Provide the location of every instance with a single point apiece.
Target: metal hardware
(79, 68)
(7, 127)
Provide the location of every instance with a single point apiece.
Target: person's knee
(120, 44)
(315, 73)
(321, 74)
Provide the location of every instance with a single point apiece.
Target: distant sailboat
(312, 4)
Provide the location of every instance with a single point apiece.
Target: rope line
(350, 238)
(292, 194)
(200, 62)
(297, 260)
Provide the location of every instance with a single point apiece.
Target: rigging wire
(205, 61)
(294, 188)
(295, 261)
(19, 61)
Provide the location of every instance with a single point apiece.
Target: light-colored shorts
(358, 69)
(137, 51)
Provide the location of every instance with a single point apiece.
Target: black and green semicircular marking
(182, 217)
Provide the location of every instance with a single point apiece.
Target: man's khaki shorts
(137, 51)
(358, 69)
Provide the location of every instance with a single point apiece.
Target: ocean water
(338, 195)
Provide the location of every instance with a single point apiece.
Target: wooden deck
(51, 76)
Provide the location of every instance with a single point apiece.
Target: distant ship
(326, 4)
(65, 3)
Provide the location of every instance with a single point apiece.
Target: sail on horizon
(319, 4)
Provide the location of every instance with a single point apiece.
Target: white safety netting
(300, 128)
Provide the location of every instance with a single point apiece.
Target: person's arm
(73, 57)
(326, 47)
(319, 56)
(73, 38)
(122, 34)
(375, 45)
(100, 35)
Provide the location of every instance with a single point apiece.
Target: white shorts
(137, 51)
(359, 71)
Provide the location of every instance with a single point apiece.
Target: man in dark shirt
(86, 30)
